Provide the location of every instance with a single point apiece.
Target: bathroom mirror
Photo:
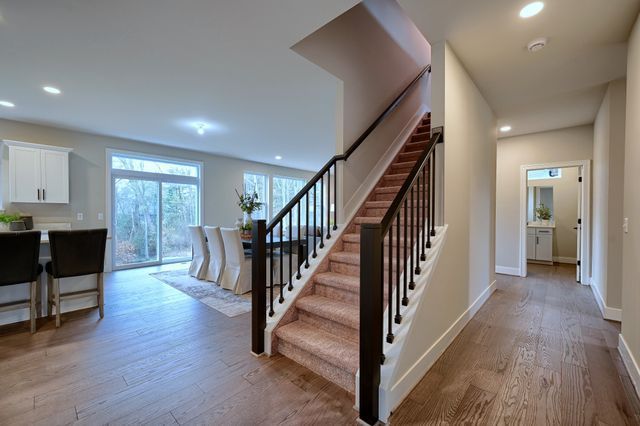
(539, 195)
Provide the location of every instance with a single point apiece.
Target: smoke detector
(537, 44)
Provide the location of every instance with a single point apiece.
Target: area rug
(207, 292)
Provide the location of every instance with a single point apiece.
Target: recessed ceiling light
(505, 129)
(7, 104)
(278, 157)
(532, 9)
(52, 90)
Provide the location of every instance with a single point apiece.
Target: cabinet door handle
(537, 240)
(43, 196)
(38, 194)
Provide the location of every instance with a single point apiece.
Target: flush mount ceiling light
(278, 157)
(505, 129)
(7, 104)
(200, 128)
(537, 44)
(532, 9)
(52, 90)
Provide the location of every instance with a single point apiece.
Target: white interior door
(24, 168)
(578, 228)
(55, 177)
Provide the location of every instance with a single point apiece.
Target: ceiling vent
(537, 44)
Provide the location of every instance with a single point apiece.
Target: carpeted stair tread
(345, 257)
(334, 310)
(326, 346)
(341, 281)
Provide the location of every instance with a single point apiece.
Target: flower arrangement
(248, 203)
(543, 212)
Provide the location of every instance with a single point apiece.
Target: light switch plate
(80, 216)
(625, 225)
(100, 216)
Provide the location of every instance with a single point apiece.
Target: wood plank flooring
(538, 352)
(158, 357)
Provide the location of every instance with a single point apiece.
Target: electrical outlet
(80, 217)
(625, 225)
(100, 216)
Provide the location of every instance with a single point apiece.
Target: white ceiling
(148, 69)
(559, 86)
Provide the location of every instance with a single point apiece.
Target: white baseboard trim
(506, 270)
(613, 314)
(414, 374)
(369, 183)
(630, 363)
(561, 259)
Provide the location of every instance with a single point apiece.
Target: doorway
(554, 216)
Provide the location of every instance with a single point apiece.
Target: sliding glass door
(153, 203)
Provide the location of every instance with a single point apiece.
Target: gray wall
(608, 188)
(221, 175)
(631, 240)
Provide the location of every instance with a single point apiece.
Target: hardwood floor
(538, 352)
(158, 357)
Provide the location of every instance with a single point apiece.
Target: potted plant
(248, 203)
(6, 219)
(543, 213)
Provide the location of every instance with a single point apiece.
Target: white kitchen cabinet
(540, 244)
(38, 173)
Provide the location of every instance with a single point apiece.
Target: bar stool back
(19, 252)
(73, 254)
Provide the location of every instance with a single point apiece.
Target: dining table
(299, 246)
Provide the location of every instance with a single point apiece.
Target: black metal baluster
(315, 215)
(398, 317)
(322, 212)
(413, 227)
(306, 227)
(290, 275)
(425, 228)
(429, 202)
(335, 196)
(329, 203)
(433, 195)
(405, 298)
(300, 249)
(390, 288)
(281, 300)
(271, 311)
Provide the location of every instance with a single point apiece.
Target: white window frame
(157, 177)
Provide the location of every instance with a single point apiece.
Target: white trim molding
(613, 314)
(585, 211)
(630, 363)
(507, 270)
(569, 260)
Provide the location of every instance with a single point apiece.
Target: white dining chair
(217, 256)
(237, 269)
(200, 261)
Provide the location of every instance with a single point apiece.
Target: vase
(247, 221)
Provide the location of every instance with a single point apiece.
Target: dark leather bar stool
(74, 254)
(19, 252)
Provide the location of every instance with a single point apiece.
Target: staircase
(324, 333)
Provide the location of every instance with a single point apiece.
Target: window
(254, 182)
(153, 202)
(544, 174)
(284, 189)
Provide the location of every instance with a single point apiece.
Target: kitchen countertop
(540, 225)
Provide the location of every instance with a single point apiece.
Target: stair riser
(424, 128)
(342, 378)
(409, 156)
(420, 137)
(340, 330)
(381, 211)
(337, 293)
(354, 269)
(358, 228)
(415, 147)
(394, 181)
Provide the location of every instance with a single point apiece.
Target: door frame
(160, 178)
(585, 213)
